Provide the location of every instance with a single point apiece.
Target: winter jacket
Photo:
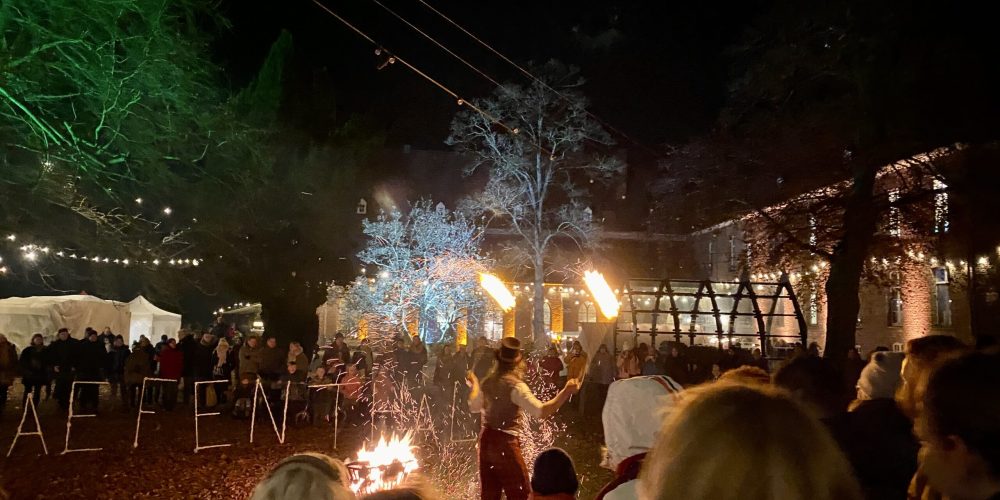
(550, 368)
(137, 367)
(881, 447)
(34, 365)
(187, 346)
(251, 359)
(62, 354)
(202, 366)
(171, 363)
(91, 360)
(8, 363)
(273, 361)
(628, 365)
(482, 361)
(602, 369)
(116, 362)
(223, 371)
(576, 365)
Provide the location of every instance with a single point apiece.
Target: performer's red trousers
(501, 467)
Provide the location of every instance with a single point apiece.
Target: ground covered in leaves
(165, 466)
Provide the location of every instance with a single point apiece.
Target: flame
(385, 466)
(602, 293)
(497, 290)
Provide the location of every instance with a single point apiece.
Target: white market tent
(21, 317)
(151, 321)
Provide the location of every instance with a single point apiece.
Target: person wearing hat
(503, 398)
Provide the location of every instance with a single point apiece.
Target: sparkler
(495, 287)
(602, 293)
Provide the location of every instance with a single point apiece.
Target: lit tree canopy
(423, 265)
(536, 162)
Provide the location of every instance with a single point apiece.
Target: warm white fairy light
(167, 211)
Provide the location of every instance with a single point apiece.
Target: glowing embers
(383, 467)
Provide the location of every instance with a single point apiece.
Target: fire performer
(502, 399)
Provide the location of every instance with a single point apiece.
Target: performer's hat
(510, 350)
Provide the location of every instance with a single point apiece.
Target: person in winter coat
(62, 358)
(222, 368)
(251, 357)
(340, 350)
(880, 446)
(418, 359)
(675, 366)
(34, 368)
(576, 361)
(91, 366)
(137, 368)
(364, 359)
(8, 368)
(483, 357)
(632, 417)
(697, 457)
(203, 366)
(599, 376)
(116, 368)
(321, 399)
(443, 369)
(106, 339)
(273, 360)
(550, 366)
(297, 354)
(187, 345)
(171, 367)
(554, 476)
(628, 362)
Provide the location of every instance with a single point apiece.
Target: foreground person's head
(780, 453)
(959, 427)
(312, 476)
(923, 354)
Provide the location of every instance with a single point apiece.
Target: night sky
(655, 70)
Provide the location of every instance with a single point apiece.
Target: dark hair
(63, 329)
(963, 399)
(814, 380)
(554, 473)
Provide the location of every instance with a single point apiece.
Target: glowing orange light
(495, 287)
(385, 466)
(602, 293)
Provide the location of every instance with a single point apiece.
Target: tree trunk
(847, 265)
(292, 318)
(538, 305)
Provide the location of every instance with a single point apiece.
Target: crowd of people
(923, 424)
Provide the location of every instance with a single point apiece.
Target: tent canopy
(21, 317)
(151, 321)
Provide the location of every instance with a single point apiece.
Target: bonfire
(383, 467)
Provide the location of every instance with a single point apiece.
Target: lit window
(711, 253)
(940, 207)
(813, 304)
(362, 207)
(897, 347)
(587, 313)
(942, 297)
(893, 212)
(895, 316)
(812, 230)
(733, 255)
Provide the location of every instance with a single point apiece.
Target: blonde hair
(305, 475)
(748, 442)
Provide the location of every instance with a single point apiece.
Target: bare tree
(536, 160)
(422, 266)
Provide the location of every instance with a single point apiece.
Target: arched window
(587, 313)
(547, 316)
(362, 207)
